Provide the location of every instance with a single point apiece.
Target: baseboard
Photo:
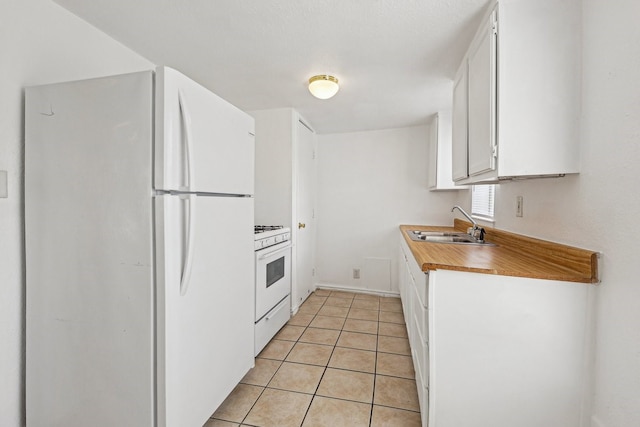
(294, 310)
(336, 287)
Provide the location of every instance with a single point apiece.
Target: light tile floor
(342, 360)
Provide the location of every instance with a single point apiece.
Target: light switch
(3, 185)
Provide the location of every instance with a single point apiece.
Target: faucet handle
(478, 233)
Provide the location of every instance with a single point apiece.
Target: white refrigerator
(139, 251)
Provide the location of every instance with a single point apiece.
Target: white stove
(273, 282)
(269, 235)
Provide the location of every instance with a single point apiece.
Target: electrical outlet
(356, 273)
(519, 207)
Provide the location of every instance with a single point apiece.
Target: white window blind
(482, 200)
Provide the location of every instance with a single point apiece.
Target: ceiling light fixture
(323, 86)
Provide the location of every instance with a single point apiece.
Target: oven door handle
(268, 254)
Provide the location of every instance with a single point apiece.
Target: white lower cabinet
(423, 397)
(404, 284)
(496, 351)
(413, 293)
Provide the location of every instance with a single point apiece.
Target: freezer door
(203, 143)
(205, 303)
(89, 253)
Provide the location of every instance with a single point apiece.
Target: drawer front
(420, 351)
(422, 285)
(408, 297)
(420, 278)
(420, 315)
(271, 323)
(423, 399)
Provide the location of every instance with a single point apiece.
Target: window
(482, 201)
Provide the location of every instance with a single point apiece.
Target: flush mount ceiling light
(323, 86)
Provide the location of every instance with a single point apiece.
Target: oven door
(273, 277)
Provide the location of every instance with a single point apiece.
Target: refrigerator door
(205, 325)
(89, 253)
(203, 143)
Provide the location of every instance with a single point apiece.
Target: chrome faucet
(476, 231)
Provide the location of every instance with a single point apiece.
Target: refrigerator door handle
(186, 120)
(188, 258)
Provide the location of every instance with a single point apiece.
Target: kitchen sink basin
(440, 233)
(446, 237)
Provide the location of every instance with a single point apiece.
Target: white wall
(274, 166)
(39, 43)
(600, 208)
(368, 184)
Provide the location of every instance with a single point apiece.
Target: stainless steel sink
(446, 237)
(439, 233)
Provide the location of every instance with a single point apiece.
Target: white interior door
(205, 329)
(304, 222)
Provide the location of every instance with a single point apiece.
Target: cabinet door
(410, 296)
(482, 100)
(406, 296)
(432, 160)
(459, 138)
(439, 153)
(405, 287)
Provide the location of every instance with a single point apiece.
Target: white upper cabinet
(460, 160)
(482, 99)
(439, 154)
(520, 84)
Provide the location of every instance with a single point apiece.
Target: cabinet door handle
(301, 225)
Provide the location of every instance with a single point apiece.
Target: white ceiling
(395, 58)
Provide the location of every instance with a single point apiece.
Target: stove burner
(262, 228)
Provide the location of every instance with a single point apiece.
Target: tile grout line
(274, 374)
(323, 372)
(325, 367)
(328, 361)
(375, 372)
(262, 392)
(375, 358)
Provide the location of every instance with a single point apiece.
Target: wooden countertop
(514, 255)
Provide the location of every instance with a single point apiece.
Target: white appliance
(273, 282)
(139, 251)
